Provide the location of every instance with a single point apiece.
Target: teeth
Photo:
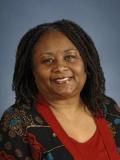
(61, 80)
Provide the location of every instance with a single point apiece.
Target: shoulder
(17, 118)
(110, 107)
(112, 115)
(14, 141)
(111, 111)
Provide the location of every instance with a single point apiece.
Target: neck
(66, 106)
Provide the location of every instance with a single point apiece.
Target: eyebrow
(67, 50)
(50, 52)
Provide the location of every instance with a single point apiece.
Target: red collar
(105, 132)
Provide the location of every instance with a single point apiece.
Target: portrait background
(100, 18)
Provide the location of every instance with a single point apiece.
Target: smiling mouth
(62, 80)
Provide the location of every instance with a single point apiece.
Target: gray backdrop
(100, 18)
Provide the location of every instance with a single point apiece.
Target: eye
(70, 58)
(48, 61)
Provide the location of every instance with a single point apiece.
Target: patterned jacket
(25, 135)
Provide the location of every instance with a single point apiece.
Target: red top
(94, 148)
(101, 146)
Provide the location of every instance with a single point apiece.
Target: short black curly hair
(23, 80)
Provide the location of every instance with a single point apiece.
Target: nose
(60, 66)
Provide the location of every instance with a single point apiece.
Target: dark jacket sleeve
(112, 115)
(13, 145)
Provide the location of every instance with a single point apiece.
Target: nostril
(60, 68)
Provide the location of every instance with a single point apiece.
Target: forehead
(53, 40)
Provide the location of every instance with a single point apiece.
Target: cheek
(81, 73)
(40, 76)
(79, 69)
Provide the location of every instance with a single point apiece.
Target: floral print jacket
(25, 135)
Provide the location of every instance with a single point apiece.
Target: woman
(61, 111)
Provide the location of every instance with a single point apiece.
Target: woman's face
(58, 68)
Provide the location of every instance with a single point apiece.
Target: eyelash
(48, 61)
(68, 58)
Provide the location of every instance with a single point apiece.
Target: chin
(65, 94)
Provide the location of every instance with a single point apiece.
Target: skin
(58, 69)
(60, 76)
